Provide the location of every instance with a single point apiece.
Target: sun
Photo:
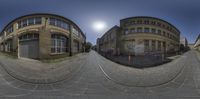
(99, 25)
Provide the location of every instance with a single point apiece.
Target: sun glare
(99, 26)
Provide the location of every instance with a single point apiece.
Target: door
(23, 50)
(29, 49)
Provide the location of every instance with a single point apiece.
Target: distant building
(97, 44)
(140, 36)
(183, 44)
(109, 41)
(191, 46)
(197, 43)
(42, 36)
(184, 41)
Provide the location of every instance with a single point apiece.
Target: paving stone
(91, 83)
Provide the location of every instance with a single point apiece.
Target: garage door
(29, 49)
(76, 47)
(29, 46)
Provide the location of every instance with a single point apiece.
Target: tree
(182, 48)
(88, 46)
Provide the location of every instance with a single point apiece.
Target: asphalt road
(94, 80)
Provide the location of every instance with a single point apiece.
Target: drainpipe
(45, 23)
(70, 40)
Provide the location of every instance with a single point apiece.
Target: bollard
(129, 58)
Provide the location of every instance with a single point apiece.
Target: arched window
(59, 44)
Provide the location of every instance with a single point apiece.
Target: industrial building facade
(197, 43)
(184, 41)
(140, 36)
(42, 36)
(109, 41)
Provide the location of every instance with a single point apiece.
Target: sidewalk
(139, 61)
(198, 55)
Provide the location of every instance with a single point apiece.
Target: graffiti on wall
(139, 48)
(134, 48)
(130, 46)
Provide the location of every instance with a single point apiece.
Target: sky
(184, 14)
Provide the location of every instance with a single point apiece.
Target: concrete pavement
(90, 82)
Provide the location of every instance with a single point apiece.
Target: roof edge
(151, 18)
(33, 14)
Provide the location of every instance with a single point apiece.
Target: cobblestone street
(91, 76)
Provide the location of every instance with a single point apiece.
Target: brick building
(141, 35)
(42, 36)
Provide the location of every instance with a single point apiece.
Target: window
(35, 36)
(146, 22)
(112, 35)
(19, 25)
(146, 45)
(158, 23)
(52, 21)
(164, 44)
(9, 29)
(65, 25)
(168, 35)
(29, 21)
(167, 27)
(58, 44)
(159, 45)
(26, 37)
(153, 22)
(139, 29)
(58, 23)
(29, 36)
(139, 21)
(132, 22)
(8, 46)
(24, 23)
(170, 29)
(153, 30)
(159, 32)
(164, 33)
(75, 31)
(126, 31)
(133, 30)
(127, 24)
(153, 45)
(38, 20)
(146, 30)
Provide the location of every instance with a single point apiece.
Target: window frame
(59, 44)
